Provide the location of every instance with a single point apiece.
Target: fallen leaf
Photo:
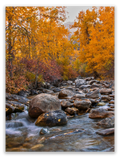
(59, 120)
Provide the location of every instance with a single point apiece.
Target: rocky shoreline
(53, 105)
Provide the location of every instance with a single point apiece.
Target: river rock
(101, 104)
(53, 118)
(84, 86)
(89, 78)
(111, 105)
(37, 147)
(111, 102)
(16, 106)
(107, 122)
(106, 91)
(65, 104)
(71, 111)
(94, 94)
(9, 109)
(56, 89)
(82, 104)
(100, 113)
(14, 124)
(65, 93)
(94, 85)
(44, 131)
(106, 132)
(93, 81)
(43, 103)
(20, 99)
(23, 93)
(79, 96)
(94, 101)
(69, 82)
(105, 98)
(106, 85)
(79, 82)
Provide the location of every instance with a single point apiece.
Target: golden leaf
(59, 120)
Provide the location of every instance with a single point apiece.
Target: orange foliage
(95, 33)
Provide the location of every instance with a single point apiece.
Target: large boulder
(79, 82)
(53, 118)
(94, 94)
(100, 113)
(65, 93)
(43, 103)
(82, 104)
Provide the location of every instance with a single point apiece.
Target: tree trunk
(10, 47)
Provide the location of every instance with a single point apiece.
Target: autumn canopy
(38, 47)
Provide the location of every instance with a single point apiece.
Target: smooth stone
(106, 132)
(82, 104)
(107, 122)
(65, 93)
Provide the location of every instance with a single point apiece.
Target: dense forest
(38, 48)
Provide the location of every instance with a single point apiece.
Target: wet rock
(14, 124)
(84, 86)
(82, 104)
(44, 131)
(56, 89)
(69, 82)
(43, 103)
(94, 85)
(79, 82)
(106, 132)
(70, 88)
(94, 94)
(33, 92)
(100, 113)
(106, 91)
(106, 85)
(105, 98)
(94, 101)
(53, 118)
(101, 104)
(16, 106)
(9, 109)
(89, 78)
(107, 122)
(72, 111)
(65, 93)
(37, 147)
(110, 109)
(23, 93)
(112, 95)
(111, 105)
(79, 96)
(65, 104)
(86, 90)
(93, 81)
(20, 99)
(111, 102)
(19, 149)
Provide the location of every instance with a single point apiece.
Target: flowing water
(78, 135)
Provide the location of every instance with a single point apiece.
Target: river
(79, 135)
